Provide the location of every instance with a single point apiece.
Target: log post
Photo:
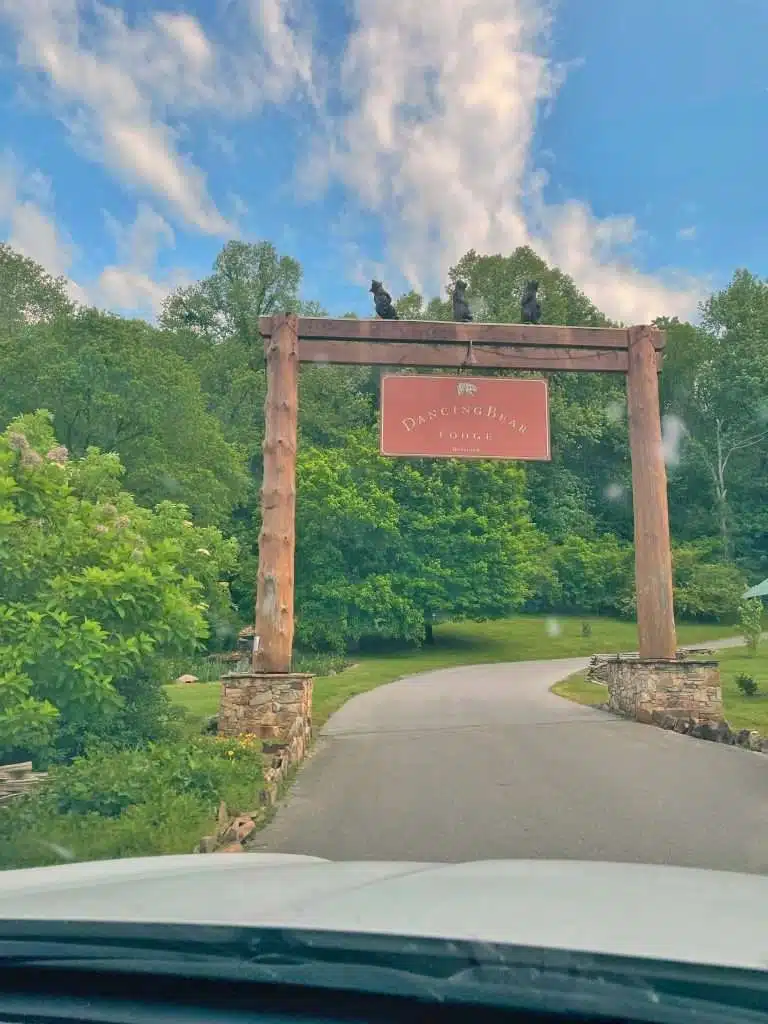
(277, 539)
(653, 558)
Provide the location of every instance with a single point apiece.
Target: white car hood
(682, 914)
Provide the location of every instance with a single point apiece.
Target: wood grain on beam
(502, 357)
(421, 331)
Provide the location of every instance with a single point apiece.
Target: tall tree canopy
(120, 385)
(387, 547)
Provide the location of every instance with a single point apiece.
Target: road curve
(483, 762)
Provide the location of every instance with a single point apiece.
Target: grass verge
(740, 711)
(523, 638)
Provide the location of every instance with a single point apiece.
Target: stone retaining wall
(640, 687)
(716, 732)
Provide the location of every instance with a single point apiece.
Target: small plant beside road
(751, 623)
(746, 684)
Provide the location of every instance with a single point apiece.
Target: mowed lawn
(740, 711)
(523, 638)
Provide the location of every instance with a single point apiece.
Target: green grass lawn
(740, 711)
(523, 638)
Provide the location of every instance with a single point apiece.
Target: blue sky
(626, 141)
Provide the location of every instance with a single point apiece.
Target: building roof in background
(759, 590)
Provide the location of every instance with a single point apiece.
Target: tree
(249, 280)
(215, 324)
(584, 489)
(496, 285)
(27, 293)
(388, 547)
(119, 385)
(97, 594)
(716, 382)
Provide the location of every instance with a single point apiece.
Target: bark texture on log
(653, 559)
(277, 539)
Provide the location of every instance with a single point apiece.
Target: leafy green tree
(249, 280)
(716, 382)
(584, 489)
(388, 547)
(591, 576)
(119, 385)
(27, 294)
(97, 593)
(496, 285)
(215, 324)
(704, 587)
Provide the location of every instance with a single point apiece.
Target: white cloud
(29, 224)
(129, 290)
(34, 234)
(687, 234)
(290, 61)
(185, 32)
(443, 99)
(138, 243)
(121, 87)
(134, 284)
(436, 139)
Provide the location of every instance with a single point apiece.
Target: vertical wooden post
(277, 539)
(653, 558)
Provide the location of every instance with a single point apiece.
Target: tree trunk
(429, 633)
(721, 496)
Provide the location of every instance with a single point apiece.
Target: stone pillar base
(642, 687)
(275, 707)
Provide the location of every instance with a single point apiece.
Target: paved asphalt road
(484, 762)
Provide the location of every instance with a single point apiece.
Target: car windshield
(384, 464)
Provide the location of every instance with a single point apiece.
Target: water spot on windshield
(673, 431)
(614, 411)
(615, 491)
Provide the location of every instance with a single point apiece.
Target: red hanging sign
(442, 417)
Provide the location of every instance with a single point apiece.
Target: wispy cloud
(443, 99)
(428, 120)
(133, 284)
(687, 234)
(29, 221)
(121, 87)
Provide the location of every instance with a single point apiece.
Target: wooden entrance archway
(290, 340)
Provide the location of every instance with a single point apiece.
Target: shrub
(705, 589)
(591, 576)
(160, 799)
(97, 594)
(746, 684)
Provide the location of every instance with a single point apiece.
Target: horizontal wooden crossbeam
(440, 331)
(453, 356)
